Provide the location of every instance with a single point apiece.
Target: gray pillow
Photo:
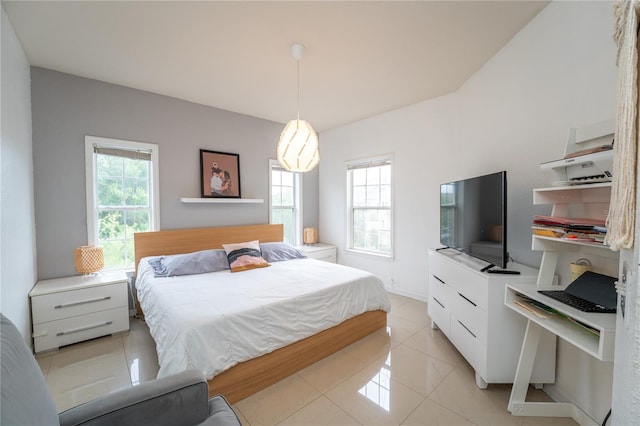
(198, 262)
(276, 252)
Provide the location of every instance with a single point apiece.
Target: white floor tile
(405, 374)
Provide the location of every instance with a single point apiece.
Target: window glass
(370, 206)
(121, 196)
(285, 196)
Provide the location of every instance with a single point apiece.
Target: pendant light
(298, 145)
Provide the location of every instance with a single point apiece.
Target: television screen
(473, 217)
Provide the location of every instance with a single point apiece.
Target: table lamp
(88, 259)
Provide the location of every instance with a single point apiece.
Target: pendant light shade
(298, 146)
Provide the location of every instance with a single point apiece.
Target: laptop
(590, 292)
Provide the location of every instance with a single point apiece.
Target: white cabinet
(71, 309)
(468, 306)
(320, 251)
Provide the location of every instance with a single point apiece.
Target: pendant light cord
(298, 81)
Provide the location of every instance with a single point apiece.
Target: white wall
(17, 226)
(514, 113)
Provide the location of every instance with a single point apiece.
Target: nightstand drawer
(65, 304)
(320, 251)
(325, 255)
(54, 334)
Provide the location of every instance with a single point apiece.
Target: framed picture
(219, 174)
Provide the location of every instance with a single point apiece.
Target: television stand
(487, 268)
(468, 307)
(503, 271)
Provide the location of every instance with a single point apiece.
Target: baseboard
(400, 292)
(558, 396)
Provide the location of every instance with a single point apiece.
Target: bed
(277, 309)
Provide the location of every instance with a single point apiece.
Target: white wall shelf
(222, 200)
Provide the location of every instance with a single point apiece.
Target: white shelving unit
(221, 200)
(590, 200)
(584, 201)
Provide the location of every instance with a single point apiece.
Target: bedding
(213, 321)
(277, 252)
(197, 262)
(245, 256)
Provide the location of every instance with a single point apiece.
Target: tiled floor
(408, 374)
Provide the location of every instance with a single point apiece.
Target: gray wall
(67, 107)
(17, 252)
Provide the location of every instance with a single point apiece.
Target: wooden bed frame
(253, 375)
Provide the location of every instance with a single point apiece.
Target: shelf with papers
(599, 344)
(541, 242)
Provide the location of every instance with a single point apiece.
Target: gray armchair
(181, 399)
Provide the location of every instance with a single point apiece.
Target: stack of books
(570, 228)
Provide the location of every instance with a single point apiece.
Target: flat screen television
(473, 217)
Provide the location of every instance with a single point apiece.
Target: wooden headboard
(178, 241)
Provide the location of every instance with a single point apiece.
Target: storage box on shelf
(468, 306)
(72, 309)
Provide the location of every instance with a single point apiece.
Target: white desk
(599, 344)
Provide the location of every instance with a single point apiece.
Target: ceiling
(362, 58)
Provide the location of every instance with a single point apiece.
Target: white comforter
(214, 321)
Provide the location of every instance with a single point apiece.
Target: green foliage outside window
(123, 206)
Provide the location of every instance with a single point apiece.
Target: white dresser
(72, 309)
(468, 306)
(320, 251)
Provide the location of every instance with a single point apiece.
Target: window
(448, 214)
(285, 201)
(369, 205)
(122, 196)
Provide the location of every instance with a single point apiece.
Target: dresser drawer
(469, 345)
(66, 304)
(460, 279)
(439, 314)
(471, 317)
(54, 334)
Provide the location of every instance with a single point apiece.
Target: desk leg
(517, 404)
(525, 364)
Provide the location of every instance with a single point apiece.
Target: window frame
(91, 182)
(359, 164)
(297, 195)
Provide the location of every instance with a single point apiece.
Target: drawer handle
(436, 277)
(465, 327)
(467, 299)
(89, 327)
(82, 302)
(438, 302)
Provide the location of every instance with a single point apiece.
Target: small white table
(72, 309)
(320, 251)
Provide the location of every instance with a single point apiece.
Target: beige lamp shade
(309, 235)
(88, 259)
(298, 147)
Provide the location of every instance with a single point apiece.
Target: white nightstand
(320, 251)
(71, 309)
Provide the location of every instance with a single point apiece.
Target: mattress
(216, 320)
